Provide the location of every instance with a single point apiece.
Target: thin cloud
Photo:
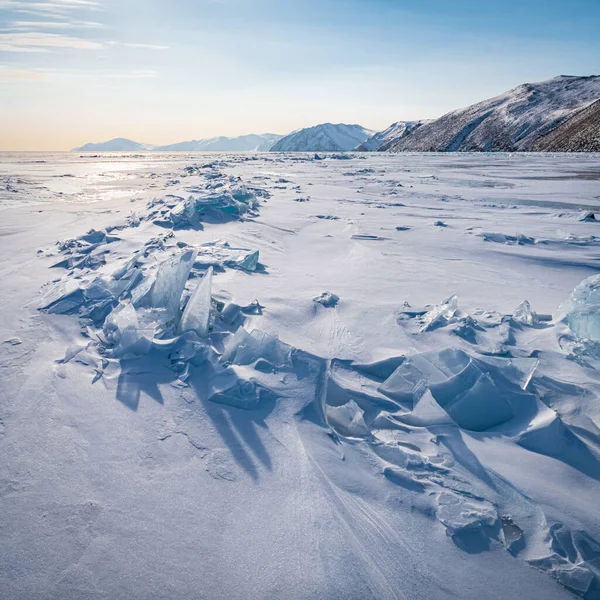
(131, 45)
(55, 5)
(43, 42)
(8, 75)
(55, 8)
(37, 25)
(138, 74)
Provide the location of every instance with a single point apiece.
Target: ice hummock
(440, 315)
(348, 419)
(220, 254)
(122, 331)
(327, 299)
(170, 282)
(62, 292)
(583, 309)
(221, 205)
(478, 393)
(525, 314)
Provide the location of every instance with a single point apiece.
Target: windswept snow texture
(211, 389)
(514, 121)
(324, 138)
(382, 140)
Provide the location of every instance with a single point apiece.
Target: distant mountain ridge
(383, 139)
(560, 114)
(244, 143)
(114, 145)
(325, 137)
(511, 122)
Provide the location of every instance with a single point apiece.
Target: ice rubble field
(297, 376)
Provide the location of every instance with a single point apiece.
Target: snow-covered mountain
(243, 143)
(114, 145)
(513, 121)
(326, 137)
(396, 131)
(579, 133)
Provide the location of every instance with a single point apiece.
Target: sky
(164, 71)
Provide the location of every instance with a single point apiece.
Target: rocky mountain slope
(579, 133)
(513, 121)
(326, 137)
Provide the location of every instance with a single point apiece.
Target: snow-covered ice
(211, 389)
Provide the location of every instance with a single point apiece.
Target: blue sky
(162, 71)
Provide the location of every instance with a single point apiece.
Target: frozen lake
(410, 418)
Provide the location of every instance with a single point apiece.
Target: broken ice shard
(225, 387)
(190, 212)
(583, 309)
(440, 315)
(245, 348)
(62, 297)
(170, 282)
(460, 514)
(196, 315)
(249, 262)
(524, 314)
(477, 393)
(347, 419)
(121, 330)
(327, 299)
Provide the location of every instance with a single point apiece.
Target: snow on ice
(188, 412)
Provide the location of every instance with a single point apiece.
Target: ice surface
(196, 314)
(583, 309)
(282, 432)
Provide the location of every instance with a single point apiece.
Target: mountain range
(114, 145)
(558, 115)
(243, 143)
(518, 120)
(326, 137)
